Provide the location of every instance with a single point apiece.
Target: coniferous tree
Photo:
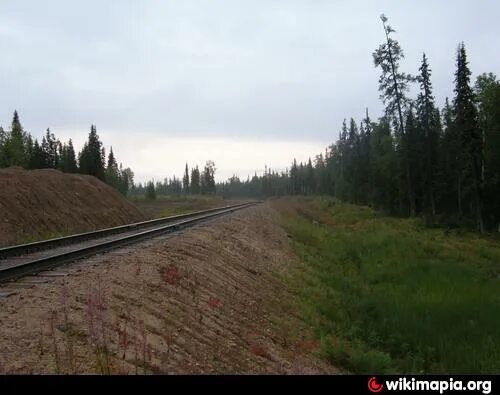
(50, 147)
(37, 158)
(364, 168)
(185, 180)
(413, 145)
(208, 178)
(90, 159)
(150, 191)
(29, 148)
(126, 180)
(310, 180)
(62, 157)
(112, 171)
(195, 181)
(337, 163)
(487, 89)
(393, 85)
(70, 165)
(466, 122)
(15, 147)
(294, 178)
(351, 162)
(449, 173)
(384, 166)
(429, 123)
(321, 175)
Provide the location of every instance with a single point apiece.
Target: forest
(417, 158)
(18, 148)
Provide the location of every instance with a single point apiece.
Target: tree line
(192, 183)
(416, 159)
(19, 148)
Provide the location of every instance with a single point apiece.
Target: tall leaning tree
(394, 85)
(467, 124)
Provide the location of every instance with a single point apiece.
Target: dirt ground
(38, 204)
(209, 300)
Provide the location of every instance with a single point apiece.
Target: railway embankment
(41, 204)
(210, 299)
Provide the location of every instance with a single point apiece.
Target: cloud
(261, 70)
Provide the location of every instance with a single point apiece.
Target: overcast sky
(242, 82)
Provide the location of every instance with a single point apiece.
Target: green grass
(389, 295)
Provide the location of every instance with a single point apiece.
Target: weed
(96, 325)
(390, 295)
(259, 350)
(70, 355)
(123, 339)
(171, 275)
(214, 302)
(55, 348)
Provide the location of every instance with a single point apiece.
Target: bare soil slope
(38, 204)
(210, 300)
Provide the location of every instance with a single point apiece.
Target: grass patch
(389, 295)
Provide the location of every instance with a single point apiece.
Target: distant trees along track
(25, 259)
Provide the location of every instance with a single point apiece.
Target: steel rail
(21, 249)
(49, 262)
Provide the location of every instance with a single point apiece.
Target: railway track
(28, 259)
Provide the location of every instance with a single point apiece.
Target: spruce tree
(466, 122)
(449, 172)
(29, 149)
(70, 160)
(37, 159)
(487, 90)
(430, 125)
(15, 148)
(185, 180)
(195, 181)
(150, 190)
(294, 178)
(91, 160)
(364, 168)
(413, 144)
(384, 166)
(208, 178)
(112, 171)
(310, 181)
(50, 149)
(126, 180)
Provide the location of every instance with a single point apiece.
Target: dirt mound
(211, 300)
(38, 204)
